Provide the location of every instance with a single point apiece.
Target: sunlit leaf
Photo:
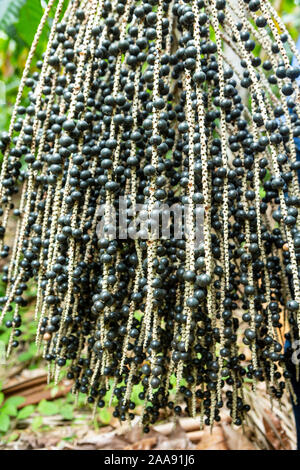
(29, 19)
(15, 401)
(66, 412)
(48, 408)
(37, 423)
(25, 412)
(105, 416)
(4, 422)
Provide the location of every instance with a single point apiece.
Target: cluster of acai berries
(157, 102)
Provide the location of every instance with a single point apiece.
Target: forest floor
(266, 427)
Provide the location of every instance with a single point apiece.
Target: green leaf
(36, 423)
(28, 21)
(54, 391)
(13, 437)
(2, 93)
(67, 412)
(29, 18)
(262, 192)
(69, 438)
(15, 401)
(4, 422)
(48, 408)
(138, 315)
(10, 406)
(27, 355)
(26, 412)
(1, 398)
(9, 409)
(69, 398)
(105, 416)
(172, 379)
(9, 12)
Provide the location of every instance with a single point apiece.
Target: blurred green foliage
(289, 11)
(19, 20)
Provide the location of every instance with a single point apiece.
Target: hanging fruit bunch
(141, 101)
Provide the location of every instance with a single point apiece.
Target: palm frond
(9, 12)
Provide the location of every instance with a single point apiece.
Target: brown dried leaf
(275, 433)
(133, 434)
(176, 440)
(143, 444)
(105, 440)
(190, 424)
(164, 428)
(236, 439)
(195, 436)
(214, 440)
